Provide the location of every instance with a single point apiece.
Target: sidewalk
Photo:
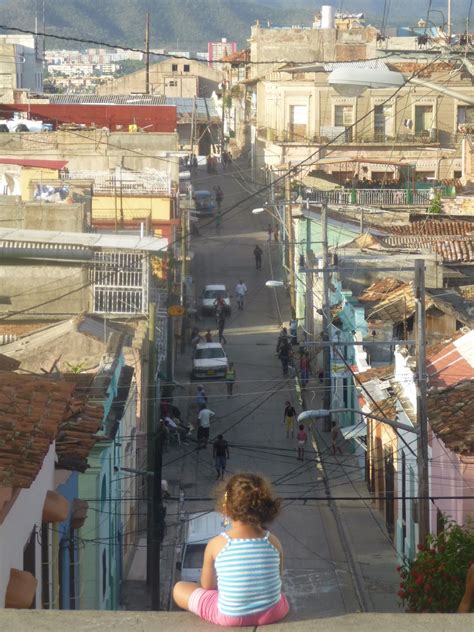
(361, 524)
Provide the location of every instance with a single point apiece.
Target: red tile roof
(78, 429)
(379, 290)
(452, 240)
(450, 414)
(31, 409)
(453, 364)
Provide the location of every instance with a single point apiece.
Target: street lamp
(325, 413)
(274, 284)
(357, 80)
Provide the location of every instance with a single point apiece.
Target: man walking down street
(204, 422)
(289, 419)
(258, 252)
(230, 379)
(284, 354)
(220, 452)
(240, 291)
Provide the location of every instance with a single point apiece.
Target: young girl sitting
(242, 569)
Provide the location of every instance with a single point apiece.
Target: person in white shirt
(204, 422)
(241, 291)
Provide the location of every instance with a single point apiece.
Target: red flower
(419, 580)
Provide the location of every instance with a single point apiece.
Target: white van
(200, 528)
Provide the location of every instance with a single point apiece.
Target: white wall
(15, 530)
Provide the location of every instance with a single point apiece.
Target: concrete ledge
(126, 621)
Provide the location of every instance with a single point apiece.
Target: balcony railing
(369, 197)
(130, 183)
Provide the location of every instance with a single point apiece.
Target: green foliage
(434, 580)
(436, 206)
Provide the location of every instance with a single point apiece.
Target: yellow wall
(106, 207)
(31, 173)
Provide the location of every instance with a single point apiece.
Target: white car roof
(210, 345)
(215, 287)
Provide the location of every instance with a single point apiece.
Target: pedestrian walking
(220, 452)
(257, 253)
(201, 397)
(218, 221)
(208, 336)
(219, 196)
(335, 433)
(240, 291)
(245, 550)
(289, 419)
(195, 162)
(230, 379)
(301, 439)
(276, 233)
(204, 423)
(285, 355)
(305, 368)
(220, 328)
(283, 337)
(209, 163)
(270, 232)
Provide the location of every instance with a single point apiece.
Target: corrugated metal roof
(184, 105)
(86, 240)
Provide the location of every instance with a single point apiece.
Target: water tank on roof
(328, 17)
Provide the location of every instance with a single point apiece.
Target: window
(186, 68)
(174, 67)
(423, 118)
(383, 122)
(298, 122)
(343, 115)
(465, 116)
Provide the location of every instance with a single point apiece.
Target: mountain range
(190, 24)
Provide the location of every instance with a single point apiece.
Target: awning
(21, 589)
(55, 508)
(79, 513)
(357, 432)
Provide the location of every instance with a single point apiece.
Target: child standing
(301, 438)
(241, 574)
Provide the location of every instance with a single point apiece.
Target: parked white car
(209, 360)
(209, 296)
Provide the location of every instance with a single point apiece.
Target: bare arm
(208, 572)
(468, 597)
(277, 544)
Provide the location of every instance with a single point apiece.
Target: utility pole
(150, 429)
(170, 325)
(147, 54)
(421, 411)
(326, 308)
(122, 218)
(223, 117)
(193, 123)
(184, 267)
(290, 242)
(450, 24)
(361, 221)
(157, 519)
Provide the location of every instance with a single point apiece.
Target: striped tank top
(248, 576)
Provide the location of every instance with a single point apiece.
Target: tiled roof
(77, 431)
(31, 409)
(381, 373)
(450, 413)
(379, 290)
(451, 240)
(452, 364)
(399, 304)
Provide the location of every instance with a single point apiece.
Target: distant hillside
(190, 24)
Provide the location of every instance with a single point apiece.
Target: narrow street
(319, 578)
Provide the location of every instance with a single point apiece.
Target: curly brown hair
(248, 498)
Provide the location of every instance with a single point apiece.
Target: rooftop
(453, 364)
(450, 413)
(51, 238)
(31, 409)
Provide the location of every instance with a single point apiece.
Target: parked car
(205, 204)
(209, 360)
(209, 296)
(201, 527)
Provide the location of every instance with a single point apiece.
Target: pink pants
(204, 604)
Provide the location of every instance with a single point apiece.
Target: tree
(434, 580)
